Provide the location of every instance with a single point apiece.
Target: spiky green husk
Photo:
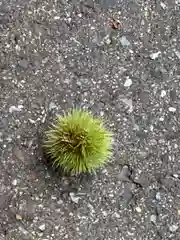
(78, 142)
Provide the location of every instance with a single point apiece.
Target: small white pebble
(108, 41)
(18, 217)
(74, 198)
(42, 227)
(158, 196)
(101, 113)
(69, 20)
(130, 233)
(56, 227)
(161, 119)
(18, 48)
(175, 175)
(9, 139)
(104, 213)
(16, 109)
(138, 209)
(124, 41)
(53, 197)
(20, 106)
(14, 182)
(173, 228)
(56, 17)
(52, 106)
(175, 146)
(172, 109)
(153, 218)
(129, 103)
(128, 82)
(163, 5)
(177, 53)
(116, 215)
(153, 56)
(163, 93)
(151, 128)
(60, 202)
(24, 231)
(31, 121)
(80, 15)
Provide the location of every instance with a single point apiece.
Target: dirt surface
(120, 60)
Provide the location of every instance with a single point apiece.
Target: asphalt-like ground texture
(120, 60)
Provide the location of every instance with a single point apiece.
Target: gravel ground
(120, 60)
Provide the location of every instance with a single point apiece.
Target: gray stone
(124, 174)
(128, 102)
(126, 195)
(23, 63)
(173, 228)
(19, 154)
(124, 41)
(144, 97)
(142, 180)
